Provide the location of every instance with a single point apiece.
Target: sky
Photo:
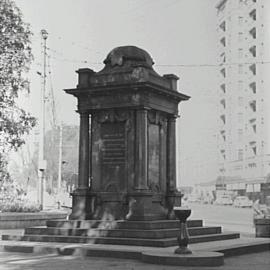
(180, 35)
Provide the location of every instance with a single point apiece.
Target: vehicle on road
(224, 200)
(193, 198)
(242, 201)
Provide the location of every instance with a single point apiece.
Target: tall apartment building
(244, 88)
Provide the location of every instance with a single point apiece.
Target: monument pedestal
(82, 204)
(127, 144)
(143, 207)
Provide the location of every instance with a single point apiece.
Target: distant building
(244, 91)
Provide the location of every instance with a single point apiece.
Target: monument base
(134, 206)
(143, 206)
(82, 207)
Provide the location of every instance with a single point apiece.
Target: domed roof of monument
(128, 56)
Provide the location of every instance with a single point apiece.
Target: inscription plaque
(113, 154)
(153, 154)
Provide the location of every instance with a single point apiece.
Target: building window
(252, 14)
(223, 57)
(240, 135)
(223, 102)
(254, 150)
(240, 117)
(254, 128)
(240, 21)
(240, 69)
(240, 154)
(223, 153)
(240, 53)
(223, 72)
(223, 26)
(253, 50)
(253, 105)
(240, 36)
(253, 69)
(252, 165)
(253, 87)
(240, 101)
(223, 41)
(223, 87)
(253, 32)
(242, 2)
(222, 117)
(240, 85)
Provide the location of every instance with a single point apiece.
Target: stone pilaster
(173, 197)
(171, 153)
(81, 199)
(141, 150)
(83, 180)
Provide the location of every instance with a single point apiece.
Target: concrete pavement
(19, 261)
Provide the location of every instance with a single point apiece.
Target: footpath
(51, 260)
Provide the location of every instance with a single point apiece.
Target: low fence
(24, 220)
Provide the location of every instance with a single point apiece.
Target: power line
(57, 55)
(168, 65)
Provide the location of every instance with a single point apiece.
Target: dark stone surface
(96, 239)
(122, 224)
(131, 160)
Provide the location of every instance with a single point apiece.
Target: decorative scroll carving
(112, 116)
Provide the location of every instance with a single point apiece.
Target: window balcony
(223, 72)
(223, 103)
(223, 118)
(223, 41)
(223, 87)
(253, 14)
(253, 51)
(253, 32)
(253, 105)
(252, 68)
(223, 26)
(253, 87)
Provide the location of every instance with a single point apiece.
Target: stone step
(144, 225)
(121, 233)
(160, 233)
(166, 242)
(231, 247)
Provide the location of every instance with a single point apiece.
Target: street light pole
(42, 161)
(60, 158)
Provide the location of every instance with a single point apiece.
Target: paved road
(229, 217)
(19, 261)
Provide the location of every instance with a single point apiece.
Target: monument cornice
(126, 88)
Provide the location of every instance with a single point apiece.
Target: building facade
(243, 31)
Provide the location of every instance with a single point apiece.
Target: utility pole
(60, 158)
(42, 161)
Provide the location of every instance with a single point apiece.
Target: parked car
(242, 201)
(193, 198)
(224, 200)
